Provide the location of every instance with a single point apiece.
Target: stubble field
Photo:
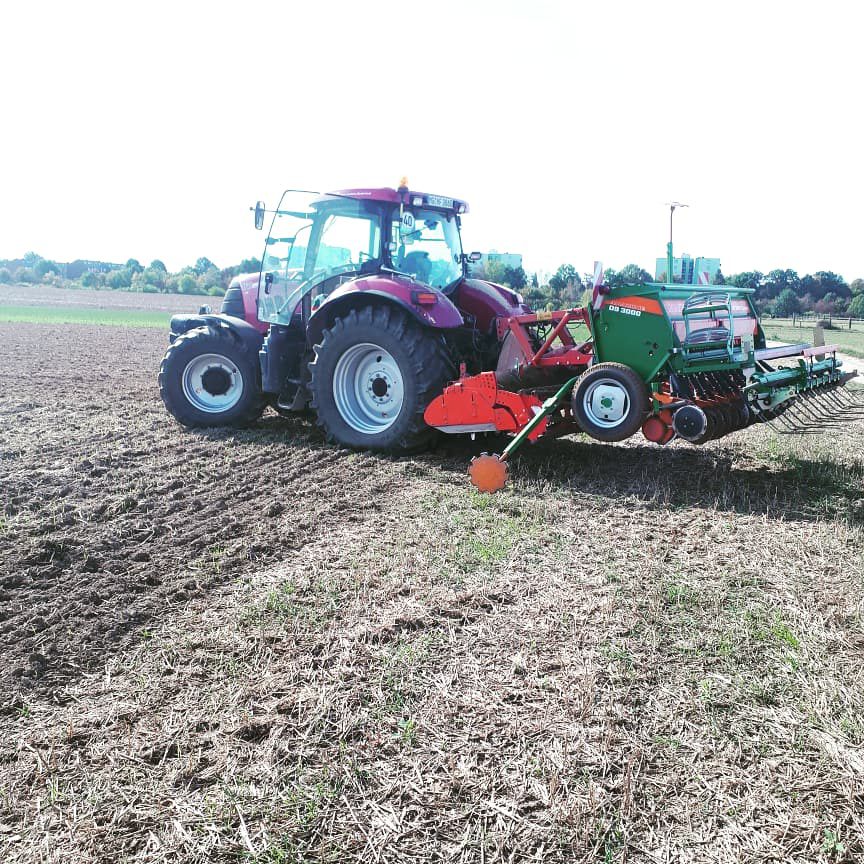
(249, 646)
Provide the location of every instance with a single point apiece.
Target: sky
(148, 130)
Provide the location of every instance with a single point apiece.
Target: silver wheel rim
(212, 383)
(606, 403)
(368, 388)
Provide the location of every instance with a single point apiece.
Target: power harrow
(674, 361)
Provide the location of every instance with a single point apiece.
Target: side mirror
(204, 310)
(259, 215)
(474, 257)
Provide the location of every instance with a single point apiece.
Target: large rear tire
(373, 375)
(209, 378)
(610, 402)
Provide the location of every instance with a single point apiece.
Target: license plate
(438, 201)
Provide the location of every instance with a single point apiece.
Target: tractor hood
(241, 300)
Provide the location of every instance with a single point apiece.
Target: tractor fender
(398, 291)
(241, 331)
(489, 302)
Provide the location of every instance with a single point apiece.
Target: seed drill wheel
(488, 472)
(610, 402)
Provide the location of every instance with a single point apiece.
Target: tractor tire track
(112, 514)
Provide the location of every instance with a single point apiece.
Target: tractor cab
(317, 242)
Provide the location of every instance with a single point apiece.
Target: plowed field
(249, 646)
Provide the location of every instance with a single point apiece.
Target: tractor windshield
(428, 247)
(313, 240)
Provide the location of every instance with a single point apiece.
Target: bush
(787, 304)
(188, 284)
(119, 279)
(153, 276)
(24, 274)
(5, 276)
(212, 278)
(42, 268)
(150, 289)
(216, 291)
(92, 280)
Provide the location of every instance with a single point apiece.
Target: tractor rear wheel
(610, 402)
(373, 375)
(208, 378)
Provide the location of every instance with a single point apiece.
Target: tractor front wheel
(373, 375)
(208, 378)
(610, 402)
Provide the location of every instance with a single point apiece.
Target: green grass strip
(849, 341)
(55, 315)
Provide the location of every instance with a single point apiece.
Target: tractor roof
(402, 195)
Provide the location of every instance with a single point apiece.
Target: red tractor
(363, 310)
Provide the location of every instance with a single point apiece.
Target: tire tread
(429, 358)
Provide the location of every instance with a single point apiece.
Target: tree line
(784, 293)
(781, 293)
(202, 277)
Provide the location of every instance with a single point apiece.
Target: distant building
(505, 259)
(689, 271)
(76, 268)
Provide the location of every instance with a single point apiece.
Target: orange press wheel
(488, 472)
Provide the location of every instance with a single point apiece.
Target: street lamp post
(672, 205)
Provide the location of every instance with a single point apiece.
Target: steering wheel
(329, 272)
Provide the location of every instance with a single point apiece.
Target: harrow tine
(803, 406)
(829, 411)
(791, 428)
(761, 417)
(805, 420)
(823, 402)
(840, 403)
(842, 411)
(848, 397)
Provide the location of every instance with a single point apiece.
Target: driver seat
(417, 264)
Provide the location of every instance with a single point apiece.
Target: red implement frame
(569, 353)
(476, 403)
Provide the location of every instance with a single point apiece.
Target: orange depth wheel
(488, 472)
